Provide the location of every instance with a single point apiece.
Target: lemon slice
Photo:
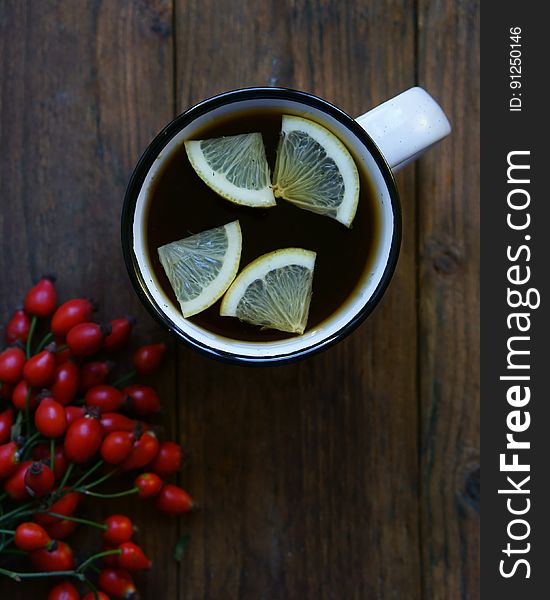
(201, 267)
(273, 291)
(315, 171)
(235, 167)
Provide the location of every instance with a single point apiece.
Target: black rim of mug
(161, 140)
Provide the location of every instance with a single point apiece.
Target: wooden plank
(307, 474)
(85, 86)
(449, 306)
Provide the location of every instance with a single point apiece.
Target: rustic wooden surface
(354, 474)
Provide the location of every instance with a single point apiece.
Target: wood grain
(85, 86)
(449, 305)
(354, 474)
(308, 473)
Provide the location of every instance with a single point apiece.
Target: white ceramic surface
(391, 128)
(406, 126)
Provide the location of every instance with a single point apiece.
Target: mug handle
(406, 126)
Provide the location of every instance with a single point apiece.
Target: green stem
(27, 407)
(31, 333)
(83, 566)
(88, 473)
(5, 544)
(19, 576)
(133, 490)
(101, 479)
(52, 454)
(77, 520)
(124, 379)
(15, 552)
(17, 512)
(62, 348)
(7, 531)
(43, 342)
(28, 443)
(66, 477)
(90, 585)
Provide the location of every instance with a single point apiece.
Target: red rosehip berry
(118, 583)
(117, 422)
(86, 339)
(6, 422)
(12, 364)
(41, 300)
(147, 359)
(174, 500)
(132, 557)
(39, 370)
(148, 484)
(144, 450)
(120, 529)
(94, 373)
(83, 439)
(66, 383)
(120, 333)
(116, 447)
(9, 459)
(62, 529)
(49, 418)
(106, 397)
(72, 413)
(39, 480)
(143, 399)
(71, 313)
(66, 591)
(59, 558)
(17, 328)
(66, 505)
(15, 486)
(31, 536)
(168, 459)
(22, 393)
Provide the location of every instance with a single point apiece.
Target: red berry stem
(6, 543)
(15, 552)
(93, 469)
(86, 492)
(43, 342)
(31, 333)
(19, 512)
(27, 403)
(93, 558)
(7, 531)
(52, 454)
(28, 444)
(19, 576)
(101, 479)
(63, 483)
(78, 520)
(125, 379)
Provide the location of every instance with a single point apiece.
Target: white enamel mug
(382, 140)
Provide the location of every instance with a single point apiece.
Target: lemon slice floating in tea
(201, 267)
(235, 167)
(315, 171)
(273, 291)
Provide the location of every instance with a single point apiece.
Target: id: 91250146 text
(515, 103)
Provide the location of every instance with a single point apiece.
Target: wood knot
(446, 260)
(157, 19)
(472, 487)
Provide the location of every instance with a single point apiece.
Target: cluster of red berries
(62, 422)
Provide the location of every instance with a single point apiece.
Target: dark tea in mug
(180, 204)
